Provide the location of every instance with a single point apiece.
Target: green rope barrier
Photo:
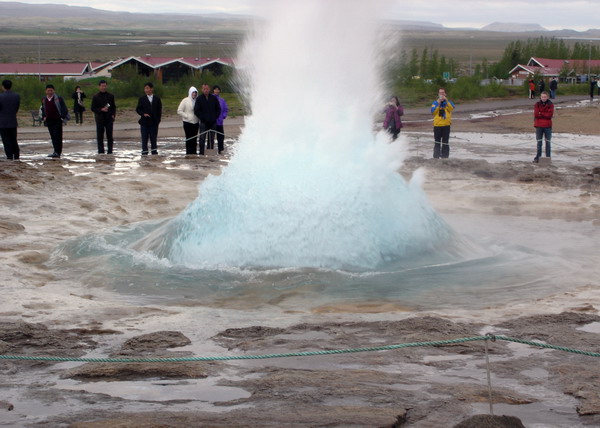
(546, 346)
(247, 357)
(301, 354)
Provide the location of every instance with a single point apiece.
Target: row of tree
(519, 52)
(430, 65)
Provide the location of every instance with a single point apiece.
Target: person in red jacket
(542, 121)
(531, 89)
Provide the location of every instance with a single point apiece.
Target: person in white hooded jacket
(190, 121)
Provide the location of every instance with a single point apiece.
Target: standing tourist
(542, 121)
(9, 106)
(54, 113)
(531, 89)
(149, 108)
(78, 107)
(190, 121)
(441, 109)
(222, 116)
(541, 86)
(553, 88)
(207, 109)
(592, 88)
(105, 111)
(392, 122)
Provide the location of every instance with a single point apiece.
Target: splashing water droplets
(310, 185)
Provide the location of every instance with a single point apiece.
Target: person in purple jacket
(392, 122)
(220, 119)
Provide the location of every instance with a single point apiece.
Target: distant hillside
(46, 16)
(17, 14)
(417, 25)
(506, 27)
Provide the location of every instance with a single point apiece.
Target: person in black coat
(541, 86)
(9, 106)
(54, 114)
(149, 108)
(105, 111)
(207, 109)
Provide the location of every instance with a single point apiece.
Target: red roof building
(573, 69)
(46, 71)
(165, 69)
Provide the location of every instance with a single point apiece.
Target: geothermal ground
(489, 182)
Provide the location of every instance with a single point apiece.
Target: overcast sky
(552, 14)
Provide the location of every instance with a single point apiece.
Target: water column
(310, 183)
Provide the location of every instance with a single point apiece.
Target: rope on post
(207, 131)
(303, 354)
(489, 376)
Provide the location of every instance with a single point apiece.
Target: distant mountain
(417, 25)
(53, 15)
(26, 15)
(507, 27)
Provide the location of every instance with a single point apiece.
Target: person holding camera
(105, 111)
(441, 109)
(78, 107)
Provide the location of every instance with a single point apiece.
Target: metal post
(39, 54)
(590, 62)
(489, 379)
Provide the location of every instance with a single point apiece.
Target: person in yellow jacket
(441, 109)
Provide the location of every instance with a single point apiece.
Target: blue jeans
(541, 133)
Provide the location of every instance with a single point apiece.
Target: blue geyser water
(310, 184)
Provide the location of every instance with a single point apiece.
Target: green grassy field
(69, 45)
(86, 41)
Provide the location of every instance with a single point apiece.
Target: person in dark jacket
(105, 111)
(78, 107)
(149, 108)
(542, 121)
(54, 114)
(207, 109)
(553, 88)
(9, 106)
(392, 122)
(592, 88)
(541, 86)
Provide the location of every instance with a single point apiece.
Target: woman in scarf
(78, 106)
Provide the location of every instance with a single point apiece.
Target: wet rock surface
(420, 387)
(151, 345)
(37, 339)
(489, 421)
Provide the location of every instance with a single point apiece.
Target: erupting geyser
(310, 185)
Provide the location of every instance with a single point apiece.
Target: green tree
(423, 65)
(433, 68)
(413, 65)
